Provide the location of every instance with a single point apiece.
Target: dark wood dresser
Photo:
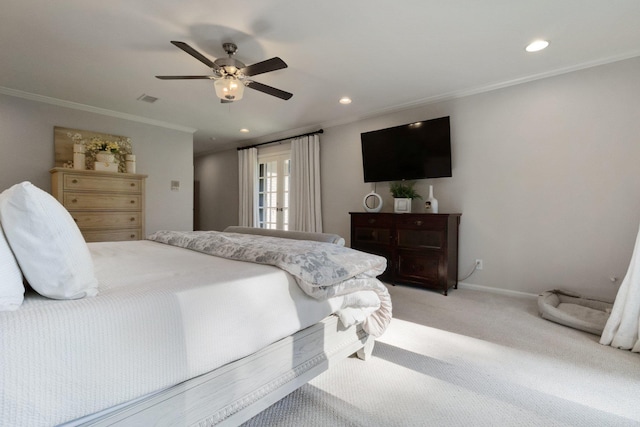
(421, 249)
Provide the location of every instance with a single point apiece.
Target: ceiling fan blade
(264, 67)
(184, 77)
(225, 101)
(269, 90)
(191, 51)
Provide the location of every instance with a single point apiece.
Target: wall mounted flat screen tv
(413, 151)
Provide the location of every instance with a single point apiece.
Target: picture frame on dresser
(106, 206)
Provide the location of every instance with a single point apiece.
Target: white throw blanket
(322, 270)
(623, 327)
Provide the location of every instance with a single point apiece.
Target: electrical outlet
(479, 264)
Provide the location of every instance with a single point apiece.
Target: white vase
(431, 205)
(372, 202)
(105, 157)
(78, 156)
(105, 162)
(130, 163)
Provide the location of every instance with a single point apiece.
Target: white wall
(27, 153)
(545, 175)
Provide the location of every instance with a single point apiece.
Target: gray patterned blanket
(322, 270)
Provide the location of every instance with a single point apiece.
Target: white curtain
(248, 178)
(623, 327)
(304, 195)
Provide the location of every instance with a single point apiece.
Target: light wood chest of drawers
(106, 206)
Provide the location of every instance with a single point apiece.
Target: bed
(179, 335)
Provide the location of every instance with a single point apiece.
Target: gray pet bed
(570, 309)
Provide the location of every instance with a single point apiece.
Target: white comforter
(163, 315)
(322, 270)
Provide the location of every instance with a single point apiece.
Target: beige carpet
(472, 358)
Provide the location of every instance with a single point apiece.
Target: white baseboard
(496, 290)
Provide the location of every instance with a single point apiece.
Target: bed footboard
(236, 392)
(366, 351)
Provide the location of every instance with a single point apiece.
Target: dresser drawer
(418, 238)
(111, 235)
(101, 183)
(90, 220)
(372, 220)
(429, 221)
(367, 235)
(425, 268)
(102, 201)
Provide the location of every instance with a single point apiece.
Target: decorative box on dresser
(107, 206)
(421, 249)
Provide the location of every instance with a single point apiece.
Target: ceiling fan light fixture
(230, 75)
(229, 88)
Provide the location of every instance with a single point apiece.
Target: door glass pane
(273, 192)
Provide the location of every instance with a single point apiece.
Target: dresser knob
(133, 184)
(133, 236)
(372, 220)
(132, 201)
(74, 201)
(74, 181)
(75, 219)
(418, 223)
(132, 219)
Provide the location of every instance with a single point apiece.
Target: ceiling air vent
(146, 98)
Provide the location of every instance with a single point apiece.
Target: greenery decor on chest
(404, 190)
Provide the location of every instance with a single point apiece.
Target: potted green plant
(403, 192)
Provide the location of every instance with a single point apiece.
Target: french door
(273, 191)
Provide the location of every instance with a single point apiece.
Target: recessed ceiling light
(537, 45)
(345, 100)
(244, 130)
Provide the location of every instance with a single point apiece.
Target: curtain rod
(281, 139)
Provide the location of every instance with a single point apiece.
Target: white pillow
(47, 243)
(11, 287)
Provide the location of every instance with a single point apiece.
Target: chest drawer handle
(372, 221)
(132, 219)
(418, 223)
(74, 201)
(132, 201)
(133, 236)
(133, 184)
(74, 181)
(75, 219)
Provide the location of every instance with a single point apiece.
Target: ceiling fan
(231, 76)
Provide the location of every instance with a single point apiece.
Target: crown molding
(477, 90)
(91, 109)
